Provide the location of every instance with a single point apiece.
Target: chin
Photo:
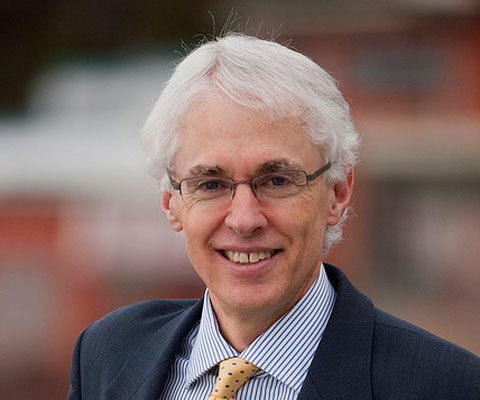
(254, 302)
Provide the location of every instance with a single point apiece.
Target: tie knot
(232, 373)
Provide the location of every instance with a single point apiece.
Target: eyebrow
(209, 170)
(281, 164)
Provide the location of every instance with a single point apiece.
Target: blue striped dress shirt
(283, 353)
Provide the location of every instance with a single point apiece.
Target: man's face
(238, 143)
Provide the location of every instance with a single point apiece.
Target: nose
(245, 216)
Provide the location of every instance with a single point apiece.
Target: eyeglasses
(275, 185)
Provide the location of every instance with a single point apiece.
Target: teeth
(266, 254)
(245, 258)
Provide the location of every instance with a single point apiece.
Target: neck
(241, 332)
(240, 328)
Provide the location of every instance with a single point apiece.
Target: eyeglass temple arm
(175, 184)
(316, 174)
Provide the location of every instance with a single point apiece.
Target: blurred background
(81, 228)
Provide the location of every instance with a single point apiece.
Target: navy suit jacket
(364, 354)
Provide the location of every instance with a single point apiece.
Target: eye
(276, 181)
(205, 188)
(279, 180)
(210, 185)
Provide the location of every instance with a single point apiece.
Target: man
(254, 149)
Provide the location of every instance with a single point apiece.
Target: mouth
(253, 257)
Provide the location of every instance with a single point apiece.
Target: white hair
(261, 75)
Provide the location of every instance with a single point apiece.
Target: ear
(342, 192)
(168, 208)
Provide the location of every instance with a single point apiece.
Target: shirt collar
(283, 351)
(209, 347)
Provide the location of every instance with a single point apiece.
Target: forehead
(217, 131)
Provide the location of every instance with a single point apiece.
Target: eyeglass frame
(308, 177)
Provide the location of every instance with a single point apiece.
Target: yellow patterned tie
(232, 373)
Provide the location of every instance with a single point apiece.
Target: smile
(247, 258)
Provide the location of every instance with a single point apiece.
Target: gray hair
(261, 75)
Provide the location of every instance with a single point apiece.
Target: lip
(249, 270)
(248, 249)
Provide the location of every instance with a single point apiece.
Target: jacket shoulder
(150, 313)
(130, 325)
(409, 362)
(106, 345)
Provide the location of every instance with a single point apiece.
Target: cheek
(196, 245)
(305, 223)
(199, 226)
(304, 215)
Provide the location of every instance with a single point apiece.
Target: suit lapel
(144, 374)
(341, 366)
